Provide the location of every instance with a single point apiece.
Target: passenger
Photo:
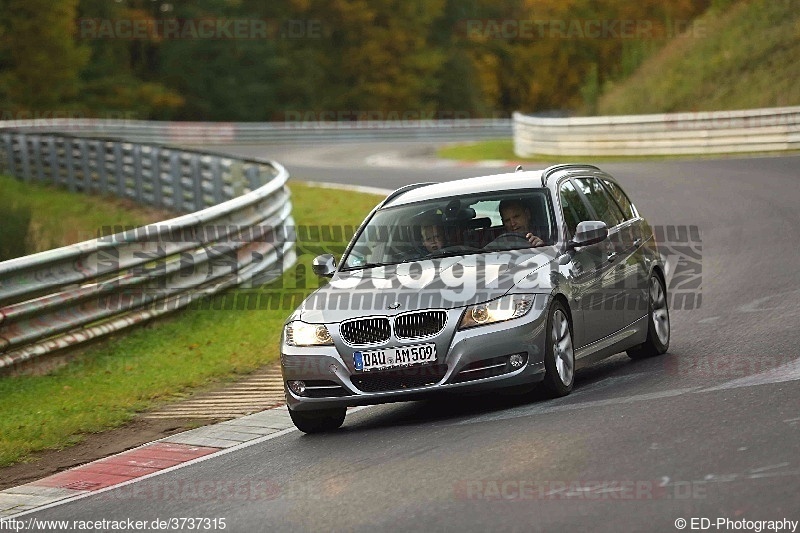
(432, 237)
(516, 217)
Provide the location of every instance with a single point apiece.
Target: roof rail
(404, 189)
(546, 173)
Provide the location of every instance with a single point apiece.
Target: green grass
(44, 217)
(108, 383)
(741, 56)
(503, 149)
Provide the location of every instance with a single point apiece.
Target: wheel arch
(658, 270)
(565, 302)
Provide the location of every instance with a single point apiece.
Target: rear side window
(602, 203)
(574, 209)
(621, 198)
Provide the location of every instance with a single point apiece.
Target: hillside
(745, 55)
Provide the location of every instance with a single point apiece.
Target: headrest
(454, 212)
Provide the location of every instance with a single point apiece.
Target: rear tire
(559, 357)
(318, 421)
(658, 327)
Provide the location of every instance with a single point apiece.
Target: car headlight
(505, 308)
(301, 334)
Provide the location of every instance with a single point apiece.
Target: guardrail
(239, 231)
(272, 132)
(756, 130)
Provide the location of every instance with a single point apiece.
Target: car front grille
(423, 324)
(365, 331)
(399, 379)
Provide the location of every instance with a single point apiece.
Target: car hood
(445, 283)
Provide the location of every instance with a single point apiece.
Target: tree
(119, 80)
(375, 56)
(222, 77)
(40, 60)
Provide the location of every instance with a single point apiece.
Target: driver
(516, 217)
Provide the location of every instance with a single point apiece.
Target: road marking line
(787, 372)
(353, 188)
(537, 409)
(765, 468)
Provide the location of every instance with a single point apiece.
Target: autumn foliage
(253, 60)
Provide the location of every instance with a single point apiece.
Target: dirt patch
(94, 446)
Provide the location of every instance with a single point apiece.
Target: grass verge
(503, 149)
(37, 217)
(106, 384)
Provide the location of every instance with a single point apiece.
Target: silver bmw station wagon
(477, 284)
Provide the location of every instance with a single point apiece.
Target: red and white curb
(145, 461)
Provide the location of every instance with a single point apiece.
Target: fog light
(516, 360)
(297, 387)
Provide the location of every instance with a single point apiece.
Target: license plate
(394, 357)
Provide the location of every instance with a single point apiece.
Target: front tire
(318, 421)
(658, 327)
(559, 358)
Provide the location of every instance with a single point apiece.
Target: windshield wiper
(369, 265)
(453, 254)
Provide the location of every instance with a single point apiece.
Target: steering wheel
(508, 238)
(510, 235)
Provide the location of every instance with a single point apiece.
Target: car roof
(508, 181)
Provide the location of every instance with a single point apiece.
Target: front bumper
(474, 359)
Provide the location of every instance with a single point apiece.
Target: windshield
(478, 223)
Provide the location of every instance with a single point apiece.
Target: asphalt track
(709, 430)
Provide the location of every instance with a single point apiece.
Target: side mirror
(588, 232)
(324, 265)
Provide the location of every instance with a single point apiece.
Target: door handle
(611, 256)
(637, 243)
